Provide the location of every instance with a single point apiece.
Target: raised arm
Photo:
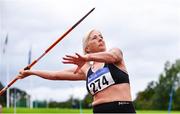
(67, 74)
(112, 56)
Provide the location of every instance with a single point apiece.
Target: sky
(147, 32)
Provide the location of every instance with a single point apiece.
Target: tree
(87, 101)
(143, 100)
(21, 97)
(156, 95)
(177, 99)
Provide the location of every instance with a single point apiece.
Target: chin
(102, 49)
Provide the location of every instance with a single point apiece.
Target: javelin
(46, 51)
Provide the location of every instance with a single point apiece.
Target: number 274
(98, 81)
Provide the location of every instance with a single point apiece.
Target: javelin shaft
(46, 51)
(5, 88)
(58, 40)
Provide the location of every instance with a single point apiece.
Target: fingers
(78, 55)
(69, 56)
(20, 76)
(23, 73)
(74, 57)
(83, 58)
(71, 59)
(65, 58)
(68, 62)
(77, 59)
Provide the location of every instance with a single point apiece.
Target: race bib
(100, 80)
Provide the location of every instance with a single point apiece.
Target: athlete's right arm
(67, 74)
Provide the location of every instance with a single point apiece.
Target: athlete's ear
(87, 49)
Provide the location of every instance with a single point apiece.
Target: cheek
(92, 45)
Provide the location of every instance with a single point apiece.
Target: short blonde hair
(86, 39)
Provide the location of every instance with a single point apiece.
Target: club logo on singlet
(100, 80)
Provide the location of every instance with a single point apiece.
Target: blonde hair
(86, 39)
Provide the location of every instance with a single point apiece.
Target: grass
(70, 111)
(156, 112)
(46, 110)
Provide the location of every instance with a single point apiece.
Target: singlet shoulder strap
(105, 65)
(89, 72)
(118, 75)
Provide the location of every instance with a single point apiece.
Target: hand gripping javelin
(46, 51)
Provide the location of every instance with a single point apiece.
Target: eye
(101, 36)
(94, 37)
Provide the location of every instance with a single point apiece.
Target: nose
(100, 39)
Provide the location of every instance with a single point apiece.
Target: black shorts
(115, 107)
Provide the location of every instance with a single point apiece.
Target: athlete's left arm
(114, 55)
